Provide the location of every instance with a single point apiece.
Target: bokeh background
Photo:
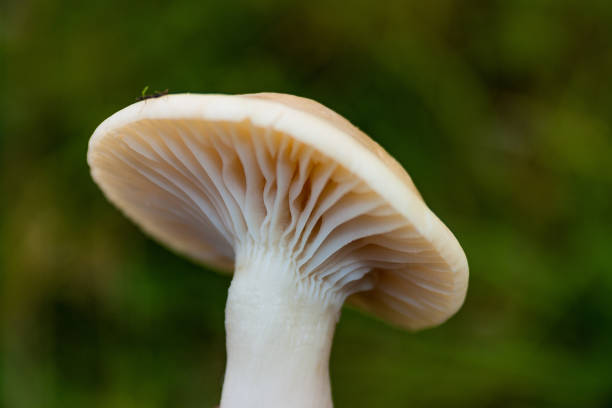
(500, 110)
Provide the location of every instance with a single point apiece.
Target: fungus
(307, 211)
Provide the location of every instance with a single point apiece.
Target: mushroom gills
(238, 186)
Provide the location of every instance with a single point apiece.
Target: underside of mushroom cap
(215, 175)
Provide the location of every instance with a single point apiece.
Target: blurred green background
(500, 110)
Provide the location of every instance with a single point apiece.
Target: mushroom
(307, 211)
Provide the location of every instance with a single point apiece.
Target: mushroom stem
(279, 334)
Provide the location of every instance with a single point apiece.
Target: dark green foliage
(501, 111)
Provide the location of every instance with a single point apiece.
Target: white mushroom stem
(279, 334)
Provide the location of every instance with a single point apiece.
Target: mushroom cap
(199, 172)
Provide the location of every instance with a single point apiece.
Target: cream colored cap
(204, 174)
